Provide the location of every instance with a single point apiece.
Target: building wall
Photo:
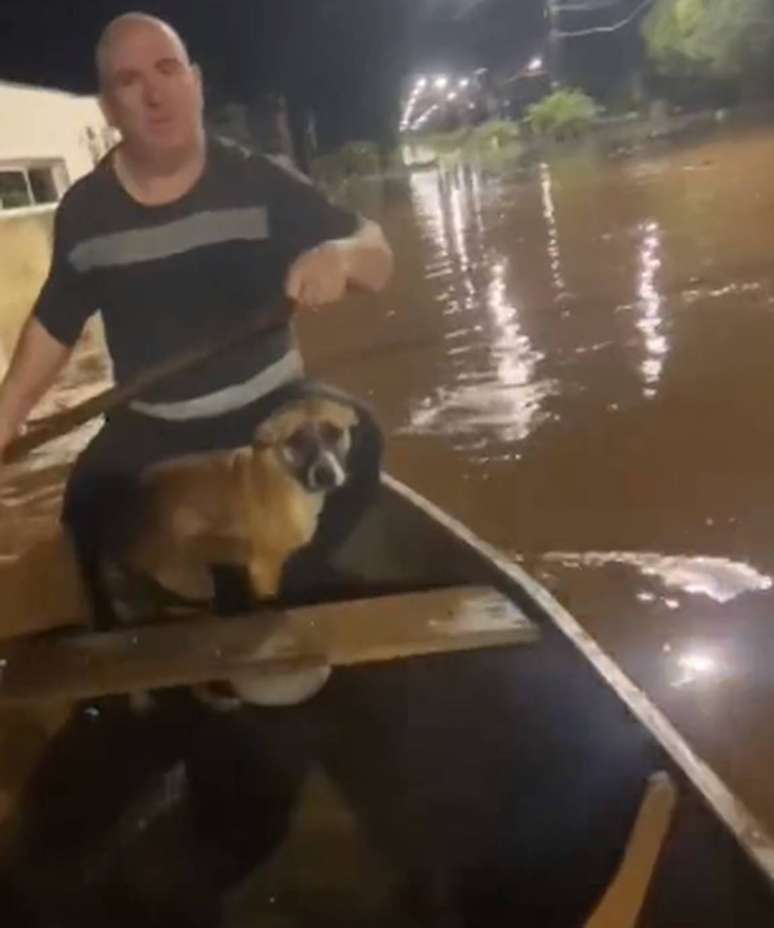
(39, 125)
(25, 249)
(49, 124)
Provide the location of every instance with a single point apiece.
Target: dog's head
(311, 438)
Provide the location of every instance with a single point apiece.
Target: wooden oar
(622, 903)
(265, 321)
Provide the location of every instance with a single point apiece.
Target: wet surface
(588, 389)
(576, 360)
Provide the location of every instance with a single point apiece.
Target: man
(174, 238)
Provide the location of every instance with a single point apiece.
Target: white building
(48, 139)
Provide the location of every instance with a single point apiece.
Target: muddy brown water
(576, 359)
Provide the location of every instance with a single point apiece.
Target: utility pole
(554, 43)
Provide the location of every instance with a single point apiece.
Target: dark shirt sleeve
(300, 216)
(64, 303)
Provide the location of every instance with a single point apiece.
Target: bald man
(173, 238)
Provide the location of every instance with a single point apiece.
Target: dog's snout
(326, 474)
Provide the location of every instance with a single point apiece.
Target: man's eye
(124, 79)
(169, 67)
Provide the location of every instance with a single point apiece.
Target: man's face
(150, 91)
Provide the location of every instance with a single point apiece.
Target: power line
(596, 30)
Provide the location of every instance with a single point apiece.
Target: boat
(503, 778)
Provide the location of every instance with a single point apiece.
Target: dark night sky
(344, 58)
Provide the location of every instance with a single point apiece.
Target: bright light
(452, 96)
(535, 65)
(441, 83)
(464, 82)
(420, 84)
(698, 663)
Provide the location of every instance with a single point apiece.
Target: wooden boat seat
(77, 665)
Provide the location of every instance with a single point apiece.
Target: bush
(495, 134)
(566, 113)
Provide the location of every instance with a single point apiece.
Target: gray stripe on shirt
(209, 227)
(288, 368)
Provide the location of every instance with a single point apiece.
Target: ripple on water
(718, 578)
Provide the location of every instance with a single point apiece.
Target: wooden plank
(84, 666)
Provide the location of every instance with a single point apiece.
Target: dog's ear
(276, 427)
(340, 414)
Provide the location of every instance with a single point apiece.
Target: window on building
(43, 185)
(14, 190)
(31, 183)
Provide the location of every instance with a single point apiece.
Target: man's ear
(199, 81)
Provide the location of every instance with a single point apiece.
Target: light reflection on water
(720, 579)
(496, 387)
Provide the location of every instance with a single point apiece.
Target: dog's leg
(265, 571)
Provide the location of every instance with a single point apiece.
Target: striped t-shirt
(168, 278)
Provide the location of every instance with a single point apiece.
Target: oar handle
(271, 318)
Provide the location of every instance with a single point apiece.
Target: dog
(251, 507)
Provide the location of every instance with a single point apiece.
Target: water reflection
(549, 213)
(496, 388)
(696, 667)
(648, 306)
(718, 578)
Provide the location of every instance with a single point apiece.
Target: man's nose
(151, 93)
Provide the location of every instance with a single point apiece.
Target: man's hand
(322, 275)
(319, 276)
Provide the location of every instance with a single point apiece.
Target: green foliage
(566, 112)
(446, 143)
(492, 136)
(709, 38)
(495, 134)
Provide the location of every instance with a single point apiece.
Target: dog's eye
(297, 442)
(330, 433)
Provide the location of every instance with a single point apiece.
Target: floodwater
(576, 359)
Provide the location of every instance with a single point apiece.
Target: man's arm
(322, 275)
(37, 360)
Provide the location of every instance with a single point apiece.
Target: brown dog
(252, 507)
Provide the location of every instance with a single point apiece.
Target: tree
(726, 39)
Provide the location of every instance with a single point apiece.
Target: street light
(441, 83)
(464, 82)
(535, 65)
(451, 96)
